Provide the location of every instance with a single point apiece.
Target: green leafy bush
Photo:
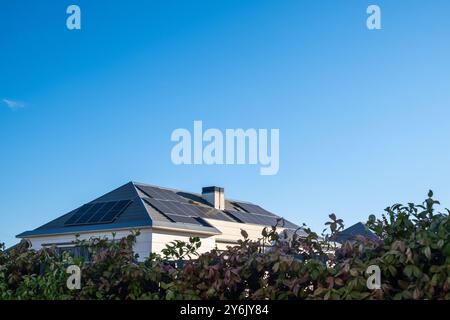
(413, 253)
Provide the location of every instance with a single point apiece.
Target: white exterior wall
(142, 246)
(155, 240)
(160, 238)
(231, 232)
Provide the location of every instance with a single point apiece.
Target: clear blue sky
(363, 115)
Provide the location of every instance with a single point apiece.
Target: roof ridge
(137, 184)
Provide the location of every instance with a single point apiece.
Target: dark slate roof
(288, 235)
(142, 212)
(16, 246)
(351, 233)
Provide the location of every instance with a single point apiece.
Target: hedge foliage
(413, 253)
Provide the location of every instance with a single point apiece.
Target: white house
(162, 215)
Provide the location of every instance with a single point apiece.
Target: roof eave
(87, 229)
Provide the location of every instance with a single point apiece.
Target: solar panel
(208, 212)
(192, 213)
(253, 208)
(161, 194)
(152, 192)
(246, 217)
(163, 206)
(195, 211)
(170, 195)
(240, 216)
(89, 213)
(185, 209)
(171, 207)
(99, 212)
(78, 214)
(177, 208)
(185, 219)
(115, 211)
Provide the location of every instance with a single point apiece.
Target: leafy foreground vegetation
(413, 254)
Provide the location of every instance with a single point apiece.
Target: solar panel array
(178, 209)
(178, 212)
(253, 208)
(99, 212)
(161, 194)
(246, 217)
(185, 219)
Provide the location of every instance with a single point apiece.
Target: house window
(76, 252)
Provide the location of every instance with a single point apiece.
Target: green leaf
(354, 272)
(434, 269)
(275, 267)
(427, 252)
(446, 250)
(417, 272)
(392, 270)
(408, 271)
(339, 282)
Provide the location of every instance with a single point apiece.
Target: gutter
(187, 230)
